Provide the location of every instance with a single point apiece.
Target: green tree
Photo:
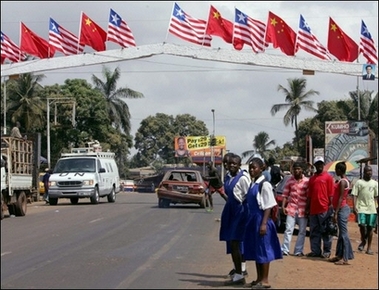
(296, 99)
(24, 103)
(154, 139)
(261, 143)
(115, 98)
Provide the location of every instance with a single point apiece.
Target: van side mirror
(101, 170)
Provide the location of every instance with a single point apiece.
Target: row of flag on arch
(244, 30)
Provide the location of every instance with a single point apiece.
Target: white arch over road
(200, 53)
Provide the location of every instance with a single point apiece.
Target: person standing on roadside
(15, 132)
(293, 206)
(365, 193)
(234, 215)
(214, 184)
(344, 251)
(320, 209)
(225, 162)
(45, 180)
(261, 243)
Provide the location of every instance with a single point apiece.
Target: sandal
(341, 262)
(249, 285)
(334, 259)
(260, 285)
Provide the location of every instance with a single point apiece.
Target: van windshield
(75, 165)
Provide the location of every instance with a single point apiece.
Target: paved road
(128, 244)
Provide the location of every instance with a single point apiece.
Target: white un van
(85, 173)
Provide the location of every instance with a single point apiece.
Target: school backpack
(274, 210)
(275, 175)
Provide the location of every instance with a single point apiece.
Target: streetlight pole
(213, 136)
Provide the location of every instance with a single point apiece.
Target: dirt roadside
(316, 273)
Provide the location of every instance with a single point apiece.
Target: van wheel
(74, 200)
(95, 198)
(53, 201)
(21, 204)
(112, 196)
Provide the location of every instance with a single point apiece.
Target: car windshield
(75, 165)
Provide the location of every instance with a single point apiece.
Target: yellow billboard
(198, 146)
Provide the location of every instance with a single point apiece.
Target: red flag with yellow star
(340, 44)
(92, 34)
(33, 44)
(280, 34)
(219, 26)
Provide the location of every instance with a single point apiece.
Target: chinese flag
(32, 44)
(219, 26)
(280, 34)
(92, 34)
(341, 45)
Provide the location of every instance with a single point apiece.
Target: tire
(96, 196)
(21, 204)
(112, 196)
(74, 200)
(53, 201)
(160, 202)
(166, 203)
(2, 207)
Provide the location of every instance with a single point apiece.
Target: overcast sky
(241, 95)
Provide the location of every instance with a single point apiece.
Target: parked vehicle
(181, 186)
(279, 199)
(41, 186)
(19, 167)
(85, 173)
(358, 129)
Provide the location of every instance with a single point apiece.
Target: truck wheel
(21, 204)
(95, 198)
(74, 200)
(53, 200)
(2, 205)
(112, 196)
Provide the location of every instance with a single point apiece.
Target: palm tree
(368, 108)
(25, 104)
(295, 100)
(118, 109)
(261, 143)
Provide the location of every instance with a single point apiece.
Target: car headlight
(52, 183)
(88, 182)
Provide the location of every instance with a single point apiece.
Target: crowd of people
(319, 201)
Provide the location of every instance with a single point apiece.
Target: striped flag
(307, 41)
(188, 28)
(248, 31)
(118, 31)
(367, 45)
(10, 50)
(63, 40)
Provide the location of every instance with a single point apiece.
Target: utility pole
(212, 139)
(50, 101)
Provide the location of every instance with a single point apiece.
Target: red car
(181, 186)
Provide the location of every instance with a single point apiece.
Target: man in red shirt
(320, 209)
